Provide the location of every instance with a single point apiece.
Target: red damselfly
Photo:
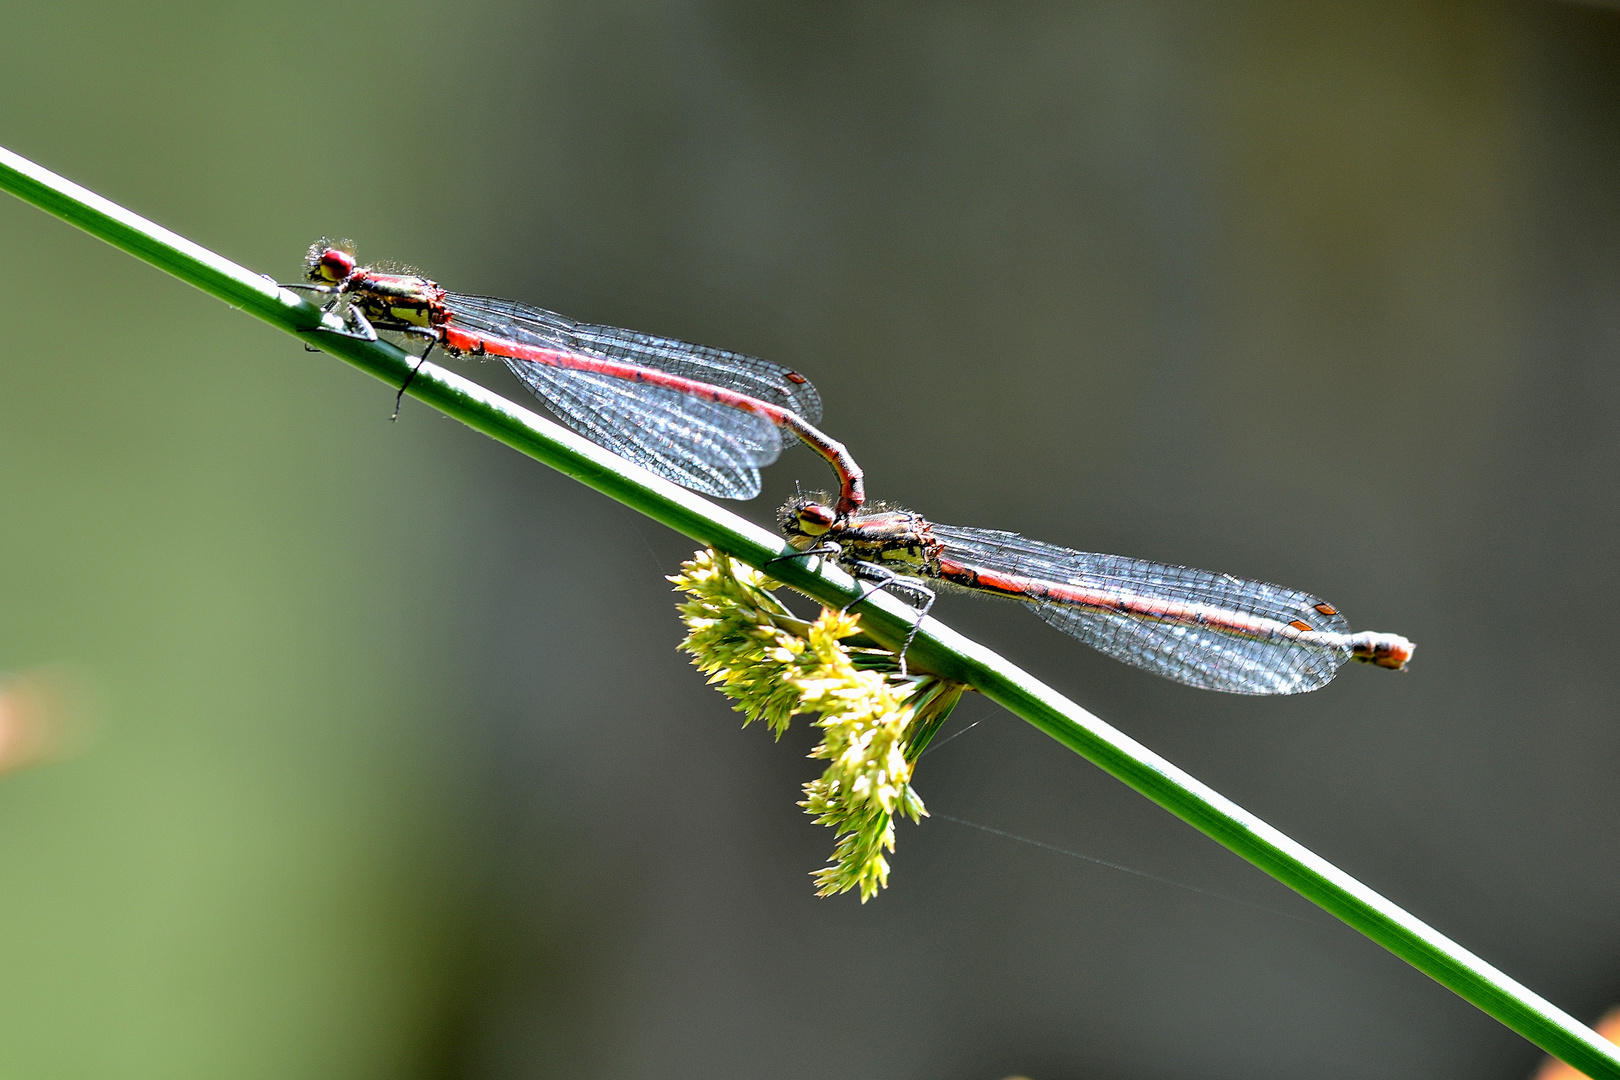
(705, 418)
(1207, 630)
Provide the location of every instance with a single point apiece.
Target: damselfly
(707, 419)
(1207, 630)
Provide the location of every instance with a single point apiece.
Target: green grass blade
(937, 648)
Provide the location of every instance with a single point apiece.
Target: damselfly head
(330, 262)
(806, 516)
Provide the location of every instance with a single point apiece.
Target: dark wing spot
(1298, 625)
(795, 377)
(1327, 609)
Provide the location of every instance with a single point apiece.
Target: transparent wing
(710, 448)
(1193, 651)
(770, 383)
(1201, 656)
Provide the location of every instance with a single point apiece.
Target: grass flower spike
(875, 722)
(735, 638)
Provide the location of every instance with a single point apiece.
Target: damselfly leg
(885, 580)
(399, 398)
(828, 550)
(875, 579)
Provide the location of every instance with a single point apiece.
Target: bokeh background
(383, 762)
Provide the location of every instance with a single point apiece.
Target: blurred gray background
(392, 768)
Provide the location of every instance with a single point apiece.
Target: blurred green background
(389, 766)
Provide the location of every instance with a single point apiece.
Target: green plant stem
(937, 648)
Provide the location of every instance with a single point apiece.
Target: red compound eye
(336, 265)
(817, 515)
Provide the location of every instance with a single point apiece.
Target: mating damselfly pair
(709, 419)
